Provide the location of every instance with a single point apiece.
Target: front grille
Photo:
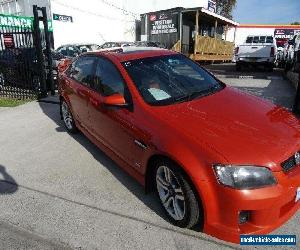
(289, 164)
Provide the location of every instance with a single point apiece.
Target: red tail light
(237, 50)
(272, 51)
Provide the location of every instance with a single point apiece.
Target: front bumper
(268, 207)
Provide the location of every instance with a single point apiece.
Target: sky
(267, 11)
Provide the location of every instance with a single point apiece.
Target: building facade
(23, 7)
(93, 21)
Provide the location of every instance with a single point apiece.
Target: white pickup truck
(257, 50)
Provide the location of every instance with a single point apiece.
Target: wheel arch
(149, 179)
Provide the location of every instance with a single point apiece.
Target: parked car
(115, 45)
(73, 50)
(215, 156)
(147, 44)
(257, 50)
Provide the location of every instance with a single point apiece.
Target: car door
(113, 126)
(80, 79)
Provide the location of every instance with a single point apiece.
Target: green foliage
(225, 7)
(7, 102)
(295, 23)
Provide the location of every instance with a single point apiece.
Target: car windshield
(171, 79)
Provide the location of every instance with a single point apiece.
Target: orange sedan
(215, 156)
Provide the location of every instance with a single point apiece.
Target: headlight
(244, 177)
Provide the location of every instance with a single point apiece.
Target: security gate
(25, 56)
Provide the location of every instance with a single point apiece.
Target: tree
(295, 23)
(225, 7)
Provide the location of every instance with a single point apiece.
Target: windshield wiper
(195, 94)
(182, 98)
(204, 92)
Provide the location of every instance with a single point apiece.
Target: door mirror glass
(115, 100)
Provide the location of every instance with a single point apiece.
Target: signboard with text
(63, 18)
(212, 6)
(20, 21)
(285, 33)
(163, 23)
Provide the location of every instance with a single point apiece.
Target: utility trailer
(196, 32)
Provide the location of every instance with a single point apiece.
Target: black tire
(67, 117)
(193, 212)
(238, 67)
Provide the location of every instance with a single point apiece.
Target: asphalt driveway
(59, 191)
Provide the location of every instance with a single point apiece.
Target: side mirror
(84, 50)
(116, 100)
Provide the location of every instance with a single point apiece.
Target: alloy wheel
(170, 193)
(67, 117)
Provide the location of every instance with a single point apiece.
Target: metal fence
(24, 56)
(19, 76)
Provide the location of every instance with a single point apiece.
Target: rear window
(256, 39)
(259, 39)
(262, 39)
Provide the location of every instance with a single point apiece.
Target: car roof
(77, 44)
(135, 53)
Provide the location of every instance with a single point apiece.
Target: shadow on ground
(150, 200)
(7, 183)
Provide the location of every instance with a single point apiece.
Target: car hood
(242, 128)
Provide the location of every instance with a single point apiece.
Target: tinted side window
(256, 39)
(108, 80)
(82, 70)
(262, 39)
